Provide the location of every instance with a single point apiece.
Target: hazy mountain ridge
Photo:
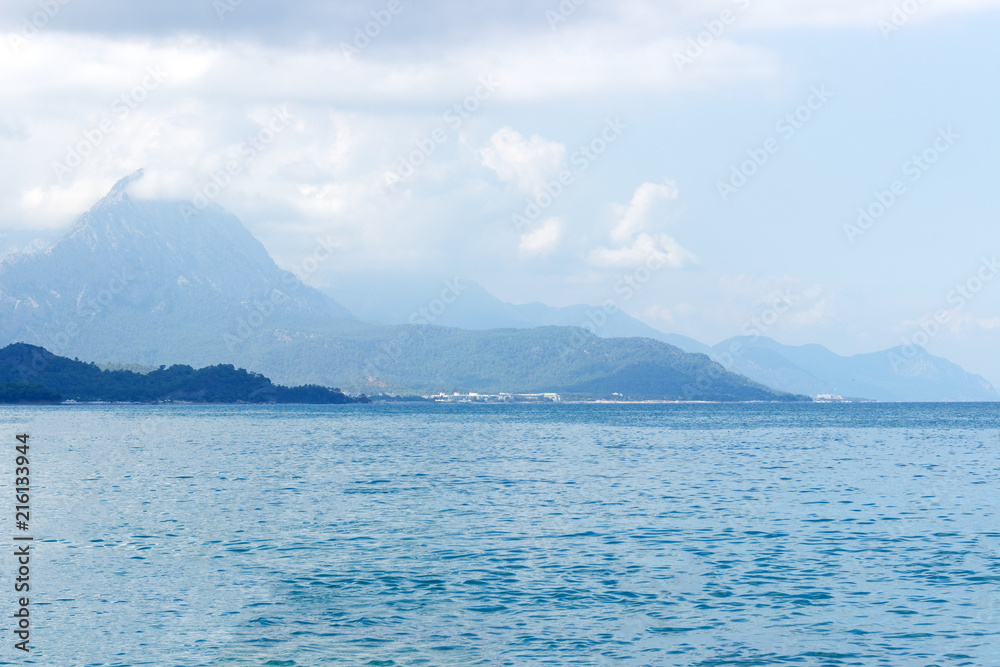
(891, 375)
(811, 370)
(139, 282)
(551, 359)
(476, 309)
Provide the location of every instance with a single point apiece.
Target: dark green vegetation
(30, 374)
(25, 393)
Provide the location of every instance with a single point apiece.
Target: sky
(717, 157)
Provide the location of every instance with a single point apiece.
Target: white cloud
(635, 237)
(32, 199)
(814, 313)
(678, 16)
(542, 241)
(215, 93)
(60, 85)
(644, 248)
(527, 162)
(660, 314)
(638, 215)
(810, 304)
(852, 13)
(581, 60)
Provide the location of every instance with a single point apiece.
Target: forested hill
(30, 374)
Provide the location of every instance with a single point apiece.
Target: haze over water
(511, 535)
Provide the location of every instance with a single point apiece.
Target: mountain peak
(141, 260)
(119, 189)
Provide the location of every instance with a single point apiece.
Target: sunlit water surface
(510, 535)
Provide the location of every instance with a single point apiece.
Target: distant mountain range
(891, 375)
(154, 282)
(398, 299)
(812, 370)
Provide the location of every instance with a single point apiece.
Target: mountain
(129, 261)
(811, 370)
(33, 374)
(399, 298)
(544, 359)
(161, 283)
(890, 375)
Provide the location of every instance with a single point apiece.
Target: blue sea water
(508, 535)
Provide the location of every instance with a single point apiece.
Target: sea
(433, 534)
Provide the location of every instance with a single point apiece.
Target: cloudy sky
(838, 153)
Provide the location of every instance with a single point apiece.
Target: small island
(33, 375)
